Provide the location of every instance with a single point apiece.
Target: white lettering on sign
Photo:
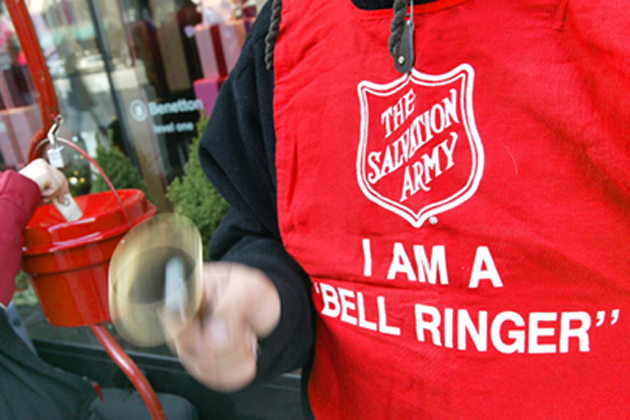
(541, 331)
(176, 107)
(425, 269)
(395, 311)
(343, 304)
(419, 153)
(507, 332)
(423, 128)
(172, 127)
(484, 269)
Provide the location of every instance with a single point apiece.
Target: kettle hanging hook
(52, 133)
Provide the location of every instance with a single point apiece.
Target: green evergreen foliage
(195, 197)
(118, 169)
(24, 292)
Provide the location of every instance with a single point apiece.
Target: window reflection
(131, 74)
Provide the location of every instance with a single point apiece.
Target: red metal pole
(49, 106)
(131, 370)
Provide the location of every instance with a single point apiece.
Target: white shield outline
(467, 74)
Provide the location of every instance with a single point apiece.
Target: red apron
(466, 226)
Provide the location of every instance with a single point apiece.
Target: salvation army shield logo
(419, 153)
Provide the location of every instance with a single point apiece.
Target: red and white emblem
(420, 153)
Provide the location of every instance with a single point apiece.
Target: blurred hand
(51, 181)
(219, 346)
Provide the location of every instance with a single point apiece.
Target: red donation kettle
(69, 261)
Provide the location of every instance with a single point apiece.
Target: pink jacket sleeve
(19, 198)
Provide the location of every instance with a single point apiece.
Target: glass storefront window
(19, 112)
(129, 74)
(135, 74)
